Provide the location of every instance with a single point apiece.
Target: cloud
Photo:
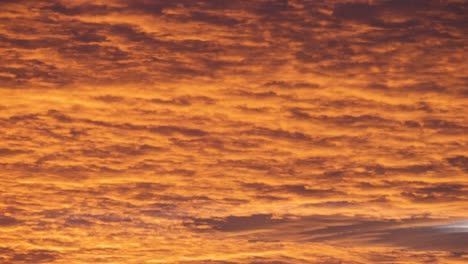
(134, 129)
(7, 151)
(422, 234)
(437, 193)
(88, 9)
(236, 223)
(8, 221)
(459, 161)
(36, 256)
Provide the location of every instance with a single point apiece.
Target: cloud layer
(268, 131)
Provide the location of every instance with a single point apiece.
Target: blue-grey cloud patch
(421, 234)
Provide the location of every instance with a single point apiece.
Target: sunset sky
(233, 131)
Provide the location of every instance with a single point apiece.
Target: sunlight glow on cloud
(233, 131)
(456, 227)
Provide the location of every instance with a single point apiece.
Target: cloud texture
(233, 131)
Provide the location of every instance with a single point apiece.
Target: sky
(233, 131)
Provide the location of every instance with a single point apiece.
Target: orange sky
(233, 131)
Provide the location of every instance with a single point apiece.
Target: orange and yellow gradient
(233, 131)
